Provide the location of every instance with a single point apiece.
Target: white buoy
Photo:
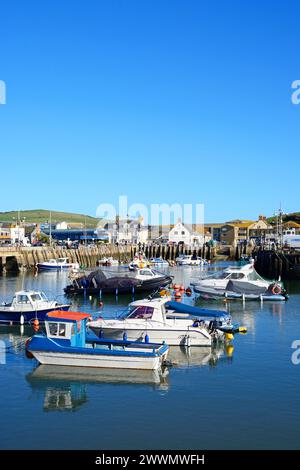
(21, 320)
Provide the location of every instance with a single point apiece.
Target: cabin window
(183, 232)
(57, 329)
(145, 272)
(142, 312)
(23, 299)
(35, 297)
(237, 276)
(53, 327)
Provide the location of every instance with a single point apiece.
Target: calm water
(221, 398)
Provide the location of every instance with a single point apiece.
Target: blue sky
(164, 101)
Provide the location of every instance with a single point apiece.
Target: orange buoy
(177, 295)
(188, 292)
(176, 286)
(36, 324)
(182, 288)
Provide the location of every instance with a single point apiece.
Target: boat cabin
(67, 328)
(24, 297)
(145, 273)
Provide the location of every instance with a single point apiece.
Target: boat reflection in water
(65, 388)
(202, 356)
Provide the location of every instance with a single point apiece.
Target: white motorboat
(245, 273)
(189, 260)
(163, 320)
(56, 265)
(110, 261)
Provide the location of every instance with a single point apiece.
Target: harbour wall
(275, 264)
(14, 259)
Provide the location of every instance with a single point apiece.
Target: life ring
(276, 289)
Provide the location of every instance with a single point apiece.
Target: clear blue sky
(165, 101)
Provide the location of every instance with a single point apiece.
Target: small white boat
(189, 260)
(57, 265)
(245, 273)
(161, 323)
(110, 261)
(159, 262)
(66, 344)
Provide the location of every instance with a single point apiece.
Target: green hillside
(292, 217)
(42, 216)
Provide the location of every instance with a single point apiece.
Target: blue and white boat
(57, 265)
(159, 262)
(27, 306)
(66, 344)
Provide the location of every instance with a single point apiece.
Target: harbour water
(245, 396)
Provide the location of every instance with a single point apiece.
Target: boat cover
(195, 311)
(242, 287)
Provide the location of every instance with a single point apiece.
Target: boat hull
(99, 360)
(14, 317)
(144, 286)
(43, 267)
(172, 337)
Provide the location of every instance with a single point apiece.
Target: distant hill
(41, 216)
(292, 217)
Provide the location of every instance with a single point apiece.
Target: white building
(125, 231)
(62, 226)
(17, 234)
(183, 234)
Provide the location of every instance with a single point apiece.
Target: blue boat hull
(14, 317)
(42, 267)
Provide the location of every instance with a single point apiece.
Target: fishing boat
(28, 305)
(159, 262)
(56, 265)
(163, 320)
(112, 282)
(66, 343)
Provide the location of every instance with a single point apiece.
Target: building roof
(291, 224)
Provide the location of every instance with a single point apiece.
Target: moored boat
(56, 265)
(159, 262)
(163, 320)
(27, 306)
(66, 344)
(111, 282)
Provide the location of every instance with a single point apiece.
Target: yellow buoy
(242, 329)
(229, 336)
